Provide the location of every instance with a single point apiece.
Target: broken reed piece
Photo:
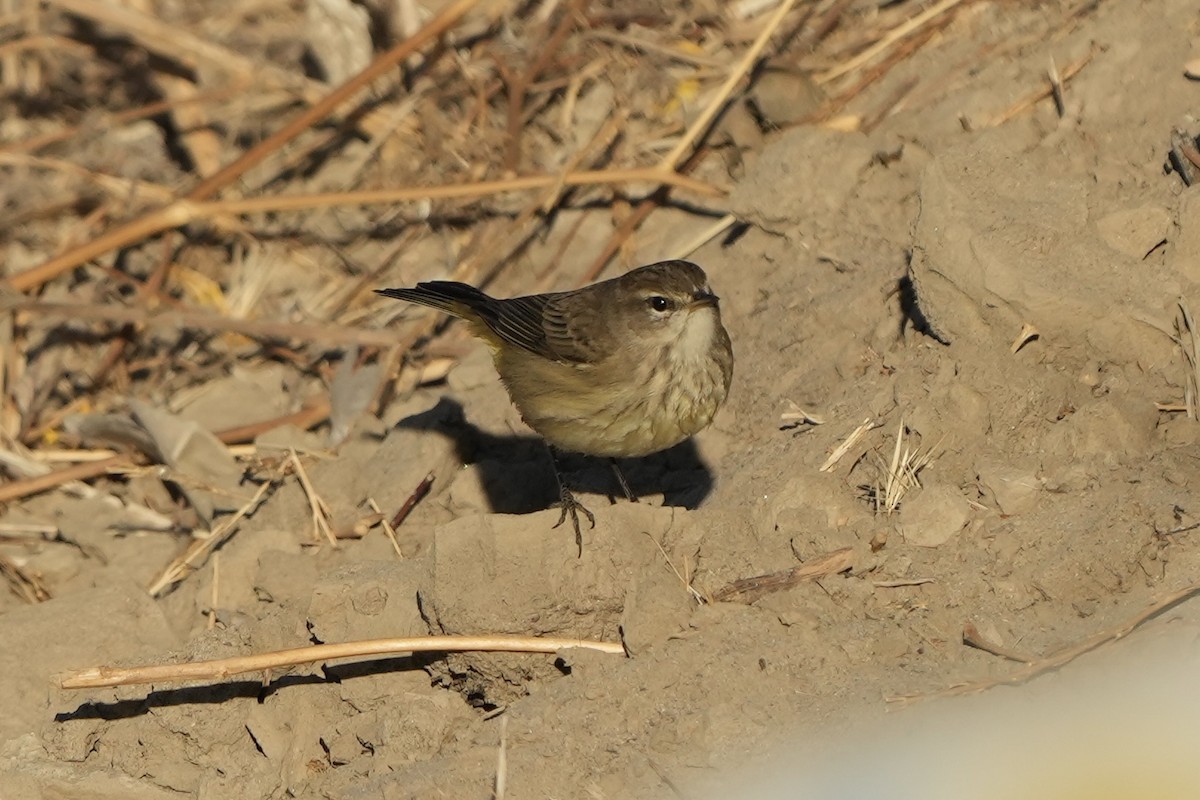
(1026, 335)
(972, 637)
(222, 668)
(417, 496)
(901, 31)
(1056, 89)
(305, 418)
(840, 451)
(747, 590)
(1068, 72)
(1064, 656)
(182, 211)
(683, 154)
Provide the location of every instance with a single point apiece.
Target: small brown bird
(622, 368)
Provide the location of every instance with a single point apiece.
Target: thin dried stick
(253, 205)
(896, 34)
(899, 582)
(222, 668)
(181, 566)
(626, 229)
(703, 237)
(305, 418)
(843, 448)
(519, 88)
(1067, 654)
(973, 638)
(215, 594)
(1189, 342)
(127, 189)
(320, 510)
(41, 483)
(35, 143)
(501, 787)
(648, 46)
(417, 495)
(312, 414)
(183, 212)
(1023, 105)
(179, 213)
(685, 577)
(197, 320)
(387, 526)
(747, 590)
(24, 585)
(701, 124)
(875, 73)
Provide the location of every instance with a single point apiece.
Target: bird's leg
(568, 504)
(616, 468)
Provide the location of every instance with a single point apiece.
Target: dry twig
(747, 590)
(222, 668)
(1067, 654)
(905, 29)
(180, 213)
(840, 451)
(182, 566)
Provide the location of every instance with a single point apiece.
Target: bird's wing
(552, 325)
(562, 326)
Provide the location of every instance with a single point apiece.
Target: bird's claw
(567, 504)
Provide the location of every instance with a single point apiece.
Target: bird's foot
(567, 504)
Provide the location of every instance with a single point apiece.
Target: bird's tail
(454, 298)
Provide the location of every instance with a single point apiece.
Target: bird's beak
(703, 298)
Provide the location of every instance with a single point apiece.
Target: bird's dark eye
(659, 303)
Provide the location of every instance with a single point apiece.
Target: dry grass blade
(183, 565)
(318, 507)
(840, 451)
(901, 31)
(186, 211)
(703, 237)
(1049, 90)
(685, 577)
(387, 525)
(211, 323)
(305, 418)
(1189, 342)
(501, 787)
(25, 585)
(901, 473)
(740, 70)
(180, 213)
(222, 668)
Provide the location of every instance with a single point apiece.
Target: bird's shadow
(517, 476)
(223, 692)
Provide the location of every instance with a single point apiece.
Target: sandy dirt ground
(880, 277)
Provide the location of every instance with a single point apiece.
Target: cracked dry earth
(1040, 521)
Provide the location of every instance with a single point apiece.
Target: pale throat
(696, 339)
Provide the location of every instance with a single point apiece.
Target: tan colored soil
(1041, 519)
